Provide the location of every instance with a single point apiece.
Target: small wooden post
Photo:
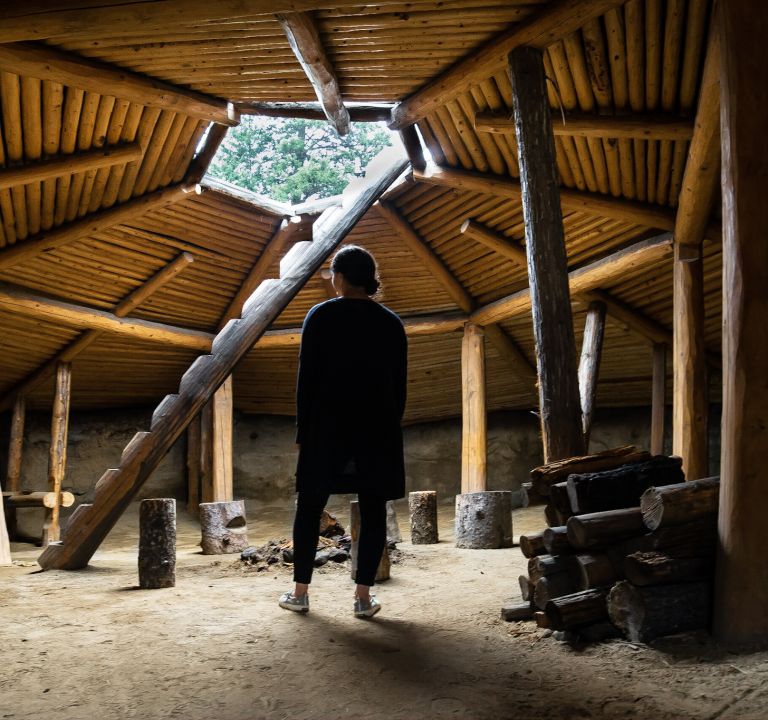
(589, 366)
(658, 398)
(223, 526)
(741, 587)
(157, 543)
(561, 424)
(58, 454)
(383, 571)
(222, 443)
(193, 467)
(423, 512)
(474, 433)
(15, 452)
(206, 452)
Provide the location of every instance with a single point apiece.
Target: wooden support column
(741, 587)
(589, 366)
(15, 453)
(658, 398)
(412, 143)
(57, 462)
(474, 446)
(547, 262)
(689, 366)
(206, 452)
(222, 443)
(193, 467)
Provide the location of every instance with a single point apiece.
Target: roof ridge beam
(48, 63)
(557, 19)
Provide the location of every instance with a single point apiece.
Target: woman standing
(350, 400)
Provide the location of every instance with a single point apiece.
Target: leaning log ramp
(90, 524)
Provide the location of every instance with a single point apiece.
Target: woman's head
(358, 268)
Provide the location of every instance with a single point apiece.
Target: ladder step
(224, 334)
(162, 410)
(290, 261)
(260, 295)
(136, 446)
(192, 374)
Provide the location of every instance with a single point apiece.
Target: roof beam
(596, 274)
(556, 19)
(47, 63)
(314, 111)
(22, 301)
(77, 346)
(307, 46)
(97, 222)
(495, 241)
(629, 211)
(73, 163)
(640, 127)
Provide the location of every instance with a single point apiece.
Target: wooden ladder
(89, 524)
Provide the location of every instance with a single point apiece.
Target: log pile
(634, 551)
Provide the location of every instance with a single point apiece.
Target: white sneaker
(366, 608)
(288, 601)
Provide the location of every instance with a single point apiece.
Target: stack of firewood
(630, 547)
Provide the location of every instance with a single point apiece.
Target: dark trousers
(306, 530)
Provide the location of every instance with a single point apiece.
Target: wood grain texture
(222, 477)
(57, 461)
(474, 434)
(589, 364)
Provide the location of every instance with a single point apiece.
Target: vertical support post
(689, 367)
(474, 433)
(413, 147)
(561, 424)
(658, 398)
(57, 462)
(193, 467)
(15, 452)
(206, 453)
(741, 587)
(589, 365)
(222, 443)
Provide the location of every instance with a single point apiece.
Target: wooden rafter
(307, 45)
(201, 162)
(314, 111)
(641, 127)
(557, 19)
(56, 165)
(47, 63)
(494, 241)
(77, 346)
(96, 222)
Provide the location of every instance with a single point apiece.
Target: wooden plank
(94, 223)
(114, 492)
(636, 126)
(57, 462)
(307, 46)
(589, 364)
(658, 398)
(222, 475)
(547, 262)
(56, 165)
(741, 587)
(474, 442)
(48, 63)
(554, 21)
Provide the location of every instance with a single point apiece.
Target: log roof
(623, 91)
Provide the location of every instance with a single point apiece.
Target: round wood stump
(484, 520)
(423, 511)
(224, 528)
(157, 543)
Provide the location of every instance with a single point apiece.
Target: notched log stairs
(89, 524)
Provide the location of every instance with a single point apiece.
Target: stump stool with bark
(223, 526)
(484, 520)
(423, 512)
(157, 543)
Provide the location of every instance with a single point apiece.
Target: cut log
(223, 526)
(545, 565)
(655, 568)
(694, 539)
(484, 520)
(645, 614)
(526, 588)
(560, 501)
(556, 540)
(596, 530)
(532, 544)
(620, 487)
(553, 586)
(423, 512)
(157, 543)
(38, 499)
(576, 609)
(383, 572)
(517, 611)
(552, 516)
(546, 475)
(542, 621)
(594, 570)
(680, 503)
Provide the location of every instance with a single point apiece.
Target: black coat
(350, 398)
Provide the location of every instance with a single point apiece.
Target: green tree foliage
(292, 160)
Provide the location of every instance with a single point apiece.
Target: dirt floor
(89, 644)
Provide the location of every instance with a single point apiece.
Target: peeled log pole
(474, 442)
(589, 364)
(599, 529)
(547, 262)
(423, 512)
(680, 503)
(57, 461)
(655, 568)
(157, 543)
(581, 608)
(39, 499)
(651, 612)
(224, 528)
